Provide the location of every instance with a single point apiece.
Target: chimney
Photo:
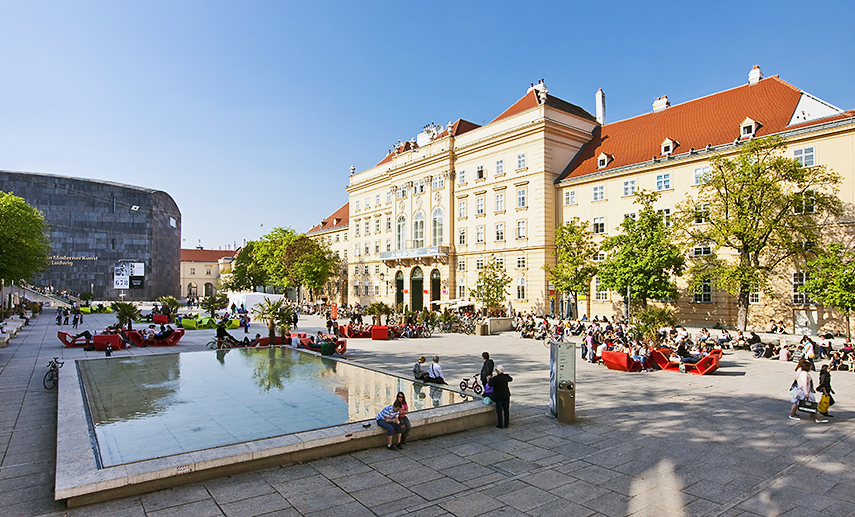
(601, 106)
(660, 104)
(755, 75)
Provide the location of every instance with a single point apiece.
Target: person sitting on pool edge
(435, 372)
(388, 420)
(419, 372)
(329, 347)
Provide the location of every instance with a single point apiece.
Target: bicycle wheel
(211, 345)
(427, 332)
(463, 385)
(478, 389)
(50, 379)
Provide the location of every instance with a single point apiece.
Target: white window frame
(569, 197)
(521, 198)
(598, 225)
(598, 193)
(500, 166)
(799, 279)
(521, 288)
(479, 264)
(522, 230)
(500, 262)
(701, 175)
(461, 177)
(629, 188)
(500, 231)
(702, 250)
(461, 236)
(479, 206)
(461, 264)
(479, 235)
(461, 208)
(480, 173)
(806, 156)
(521, 161)
(500, 202)
(663, 181)
(666, 216)
(600, 295)
(356, 208)
(521, 262)
(438, 182)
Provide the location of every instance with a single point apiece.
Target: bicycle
(52, 376)
(218, 343)
(474, 386)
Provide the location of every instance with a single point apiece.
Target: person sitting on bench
(254, 342)
(165, 333)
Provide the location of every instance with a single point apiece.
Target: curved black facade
(95, 225)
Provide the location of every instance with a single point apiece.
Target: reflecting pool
(159, 405)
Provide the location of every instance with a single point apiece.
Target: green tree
(574, 250)
(653, 318)
(171, 302)
(760, 210)
(214, 303)
(307, 263)
(831, 280)
(491, 288)
(269, 252)
(642, 257)
(24, 244)
(126, 313)
(246, 272)
(87, 297)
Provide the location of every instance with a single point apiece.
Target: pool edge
(80, 482)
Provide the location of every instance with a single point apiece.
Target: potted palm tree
(126, 312)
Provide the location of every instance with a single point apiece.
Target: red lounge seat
(137, 339)
(706, 365)
(68, 341)
(160, 318)
(620, 361)
(100, 341)
(364, 333)
(379, 332)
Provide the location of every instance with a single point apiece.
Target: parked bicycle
(474, 386)
(52, 376)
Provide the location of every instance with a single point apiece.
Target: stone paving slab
(646, 443)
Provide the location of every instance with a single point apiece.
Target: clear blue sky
(251, 113)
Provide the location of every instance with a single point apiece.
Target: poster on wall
(129, 275)
(137, 282)
(121, 278)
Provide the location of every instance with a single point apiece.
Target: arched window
(401, 233)
(436, 227)
(419, 230)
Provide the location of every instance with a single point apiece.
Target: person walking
(803, 390)
(486, 368)
(75, 320)
(824, 387)
(501, 395)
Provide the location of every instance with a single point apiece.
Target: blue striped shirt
(387, 412)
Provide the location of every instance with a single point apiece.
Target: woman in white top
(805, 390)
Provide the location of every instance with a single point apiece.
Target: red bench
(160, 318)
(364, 333)
(171, 340)
(100, 341)
(620, 361)
(70, 342)
(706, 365)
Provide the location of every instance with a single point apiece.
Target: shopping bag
(824, 402)
(807, 406)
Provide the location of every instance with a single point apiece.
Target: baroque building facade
(437, 208)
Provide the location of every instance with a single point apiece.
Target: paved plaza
(659, 443)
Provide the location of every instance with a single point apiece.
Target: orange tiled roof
(713, 120)
(338, 219)
(529, 100)
(196, 255)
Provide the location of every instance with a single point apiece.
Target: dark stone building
(96, 225)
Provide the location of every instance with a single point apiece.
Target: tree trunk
(742, 310)
(575, 296)
(271, 327)
(848, 326)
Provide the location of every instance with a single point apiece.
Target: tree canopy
(831, 280)
(24, 244)
(269, 252)
(574, 251)
(491, 288)
(246, 272)
(752, 213)
(307, 263)
(642, 257)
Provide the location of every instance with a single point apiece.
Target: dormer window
(667, 146)
(748, 128)
(603, 160)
